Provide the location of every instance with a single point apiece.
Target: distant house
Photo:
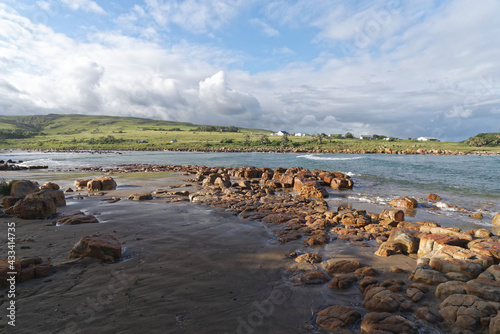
(142, 141)
(173, 141)
(365, 137)
(301, 134)
(282, 133)
(427, 139)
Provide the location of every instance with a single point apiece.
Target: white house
(282, 133)
(301, 134)
(427, 139)
(365, 137)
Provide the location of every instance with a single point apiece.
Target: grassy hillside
(131, 133)
(491, 139)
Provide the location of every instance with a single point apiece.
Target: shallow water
(471, 182)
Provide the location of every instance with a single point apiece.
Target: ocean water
(471, 182)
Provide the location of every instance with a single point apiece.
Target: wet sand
(186, 268)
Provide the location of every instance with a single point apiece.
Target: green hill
(110, 132)
(491, 139)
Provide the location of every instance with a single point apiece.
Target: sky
(396, 68)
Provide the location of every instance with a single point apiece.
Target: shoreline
(228, 243)
(265, 150)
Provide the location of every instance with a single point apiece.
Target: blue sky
(399, 68)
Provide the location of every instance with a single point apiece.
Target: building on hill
(282, 133)
(427, 139)
(365, 137)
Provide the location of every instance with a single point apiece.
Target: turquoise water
(471, 182)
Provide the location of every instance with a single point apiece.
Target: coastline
(189, 266)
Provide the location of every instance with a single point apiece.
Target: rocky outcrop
(404, 202)
(467, 312)
(34, 208)
(57, 196)
(384, 322)
(101, 183)
(140, 197)
(21, 188)
(76, 219)
(100, 246)
(337, 316)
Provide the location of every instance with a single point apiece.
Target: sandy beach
(186, 268)
(192, 268)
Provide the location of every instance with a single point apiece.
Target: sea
(466, 183)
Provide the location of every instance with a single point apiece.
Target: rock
(317, 238)
(397, 215)
(100, 246)
(415, 295)
(452, 232)
(465, 311)
(81, 184)
(495, 325)
(337, 316)
(366, 282)
(407, 238)
(446, 289)
(434, 197)
(342, 281)
(425, 313)
(343, 267)
(482, 233)
(309, 277)
(140, 197)
(57, 196)
(366, 271)
(383, 322)
(308, 258)
(404, 202)
(101, 183)
(34, 208)
(430, 242)
(49, 186)
(476, 215)
(496, 220)
(459, 260)
(9, 201)
(313, 191)
(428, 276)
(492, 273)
(341, 183)
(76, 218)
(68, 190)
(21, 188)
(389, 248)
(381, 299)
(488, 248)
(485, 289)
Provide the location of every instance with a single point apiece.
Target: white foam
(314, 157)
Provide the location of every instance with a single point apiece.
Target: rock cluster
(25, 269)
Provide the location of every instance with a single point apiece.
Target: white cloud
(217, 97)
(265, 28)
(86, 5)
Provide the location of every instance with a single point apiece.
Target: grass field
(68, 132)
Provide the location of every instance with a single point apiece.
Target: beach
(199, 265)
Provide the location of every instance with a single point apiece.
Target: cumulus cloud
(265, 28)
(217, 97)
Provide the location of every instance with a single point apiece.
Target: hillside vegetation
(491, 139)
(74, 132)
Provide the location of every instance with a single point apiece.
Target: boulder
(49, 186)
(384, 322)
(482, 233)
(452, 232)
(337, 316)
(446, 289)
(404, 202)
(140, 197)
(407, 238)
(427, 276)
(342, 281)
(430, 242)
(488, 248)
(492, 273)
(496, 220)
(393, 214)
(57, 196)
(313, 191)
(101, 183)
(76, 218)
(100, 246)
(434, 197)
(81, 184)
(343, 267)
(465, 311)
(341, 183)
(21, 188)
(389, 248)
(308, 258)
(459, 260)
(317, 238)
(476, 215)
(309, 277)
(381, 299)
(9, 201)
(34, 208)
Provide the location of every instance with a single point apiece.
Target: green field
(73, 132)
